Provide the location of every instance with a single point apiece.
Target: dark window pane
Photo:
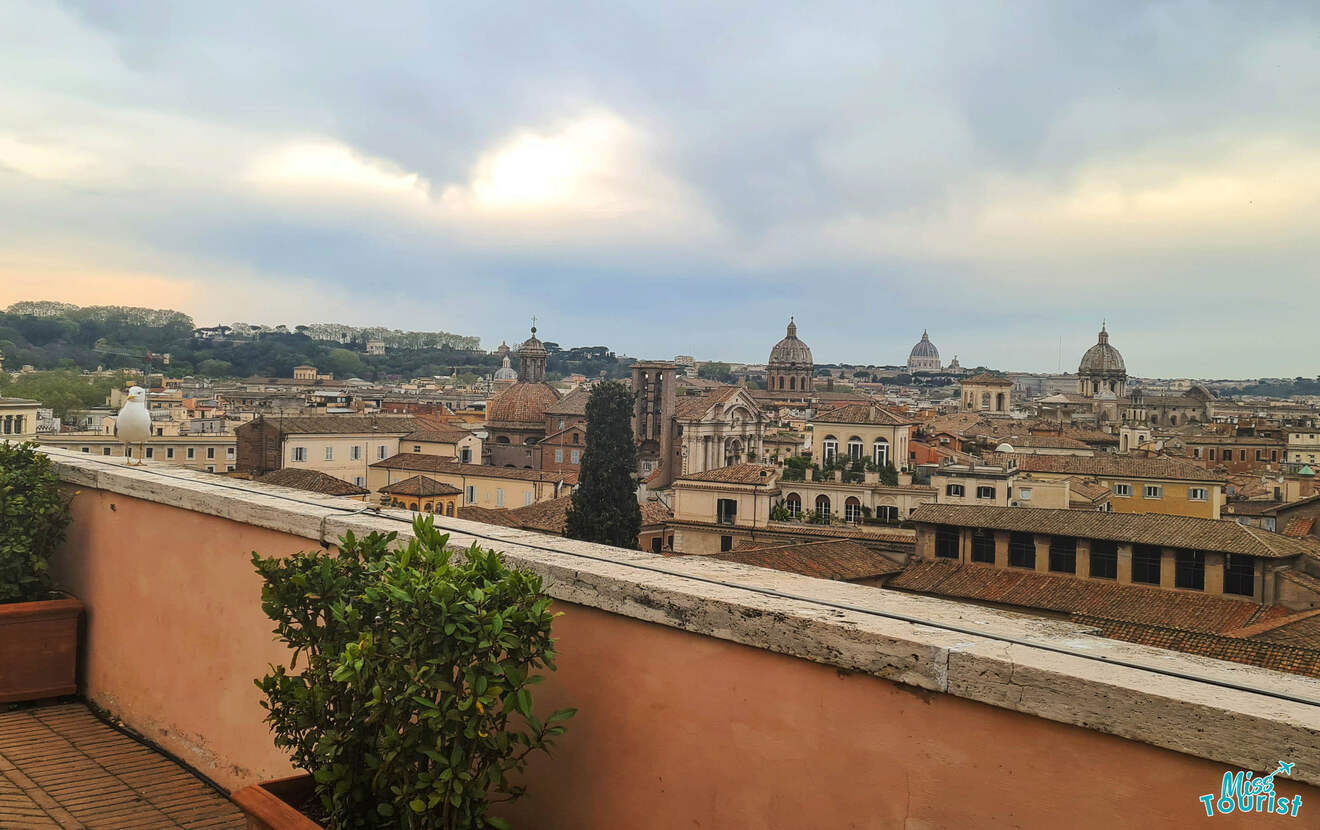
(1240, 575)
(1063, 554)
(1189, 570)
(946, 542)
(1146, 564)
(983, 547)
(1022, 550)
(1104, 559)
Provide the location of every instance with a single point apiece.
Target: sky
(680, 178)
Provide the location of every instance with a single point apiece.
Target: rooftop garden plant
(409, 694)
(34, 516)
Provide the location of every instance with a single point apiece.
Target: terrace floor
(62, 767)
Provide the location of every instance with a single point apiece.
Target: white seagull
(134, 422)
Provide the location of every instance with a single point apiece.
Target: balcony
(709, 693)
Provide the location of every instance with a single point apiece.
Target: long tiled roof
(1110, 466)
(737, 474)
(438, 435)
(313, 481)
(1071, 595)
(420, 485)
(862, 413)
(693, 407)
(574, 403)
(340, 424)
(421, 462)
(987, 379)
(1269, 655)
(1218, 535)
(828, 559)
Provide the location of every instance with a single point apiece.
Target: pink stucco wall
(675, 729)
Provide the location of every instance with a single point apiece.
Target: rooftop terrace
(710, 693)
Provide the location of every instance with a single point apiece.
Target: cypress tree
(604, 507)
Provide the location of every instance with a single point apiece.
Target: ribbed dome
(791, 352)
(925, 348)
(522, 403)
(506, 372)
(1102, 358)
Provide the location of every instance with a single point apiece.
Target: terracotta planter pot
(268, 805)
(38, 649)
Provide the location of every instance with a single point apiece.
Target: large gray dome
(925, 348)
(791, 352)
(1102, 358)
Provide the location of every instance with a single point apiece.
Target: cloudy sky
(680, 178)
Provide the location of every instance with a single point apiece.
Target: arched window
(427, 507)
(449, 509)
(855, 448)
(971, 400)
(999, 402)
(781, 381)
(985, 401)
(793, 503)
(852, 509)
(792, 384)
(503, 439)
(880, 452)
(1173, 420)
(823, 509)
(413, 506)
(829, 447)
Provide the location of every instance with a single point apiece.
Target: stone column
(1214, 573)
(1001, 548)
(1084, 558)
(1124, 563)
(1042, 553)
(1167, 566)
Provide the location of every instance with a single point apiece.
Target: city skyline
(682, 180)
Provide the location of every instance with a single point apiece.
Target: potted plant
(413, 704)
(38, 626)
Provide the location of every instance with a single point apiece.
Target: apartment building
(343, 446)
(209, 452)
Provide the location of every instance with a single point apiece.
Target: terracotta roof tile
(828, 559)
(422, 462)
(1141, 528)
(1071, 595)
(420, 486)
(522, 403)
(1269, 655)
(737, 474)
(313, 481)
(862, 413)
(1299, 527)
(337, 424)
(438, 435)
(1109, 465)
(574, 403)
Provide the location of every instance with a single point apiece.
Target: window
(465, 455)
(1259, 454)
(151, 452)
(726, 511)
(983, 546)
(499, 497)
(299, 453)
(655, 544)
(527, 498)
(1240, 575)
(1104, 559)
(1146, 564)
(855, 448)
(471, 494)
(210, 468)
(360, 481)
(229, 468)
(105, 450)
(823, 509)
(852, 509)
(191, 453)
(1212, 454)
(1022, 550)
(416, 448)
(169, 452)
(561, 423)
(380, 453)
(1274, 455)
(229, 452)
(955, 490)
(1152, 491)
(880, 452)
(830, 447)
(1024, 493)
(559, 456)
(355, 453)
(210, 453)
(793, 503)
(1063, 554)
(577, 438)
(575, 456)
(886, 513)
(984, 492)
(87, 450)
(1196, 452)
(1123, 490)
(946, 541)
(1198, 494)
(726, 543)
(1189, 570)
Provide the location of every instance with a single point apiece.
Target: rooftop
(313, 481)
(1108, 465)
(862, 413)
(423, 462)
(420, 485)
(841, 559)
(737, 474)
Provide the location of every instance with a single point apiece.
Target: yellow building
(1138, 485)
(988, 394)
(18, 419)
(479, 484)
(1304, 446)
(422, 494)
(447, 442)
(211, 452)
(864, 432)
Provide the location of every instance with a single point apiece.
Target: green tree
(715, 371)
(343, 363)
(604, 507)
(215, 369)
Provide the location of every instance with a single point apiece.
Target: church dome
(532, 347)
(791, 352)
(506, 371)
(522, 403)
(925, 348)
(1102, 358)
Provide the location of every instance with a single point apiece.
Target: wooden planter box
(38, 649)
(267, 805)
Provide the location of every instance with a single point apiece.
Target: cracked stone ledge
(783, 613)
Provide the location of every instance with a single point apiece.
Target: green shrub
(413, 704)
(33, 518)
